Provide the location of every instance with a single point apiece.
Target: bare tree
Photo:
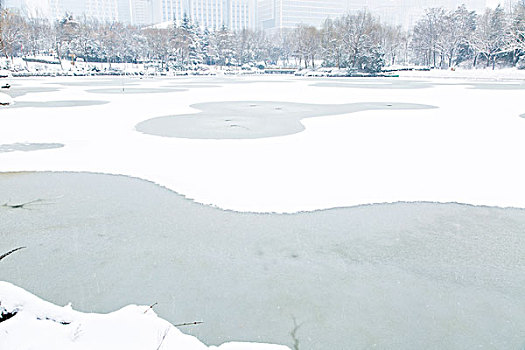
(12, 28)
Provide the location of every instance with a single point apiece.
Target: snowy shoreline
(61, 328)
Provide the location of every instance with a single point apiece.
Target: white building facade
(136, 12)
(103, 10)
(211, 14)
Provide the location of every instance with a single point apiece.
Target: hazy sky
(493, 3)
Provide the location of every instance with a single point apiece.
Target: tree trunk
(58, 56)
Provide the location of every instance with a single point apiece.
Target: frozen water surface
(393, 276)
(253, 119)
(18, 91)
(415, 275)
(465, 150)
(55, 104)
(85, 82)
(389, 83)
(133, 90)
(28, 147)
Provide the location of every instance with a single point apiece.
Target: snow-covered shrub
(521, 63)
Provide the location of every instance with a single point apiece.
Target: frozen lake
(281, 144)
(408, 275)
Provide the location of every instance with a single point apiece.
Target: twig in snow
(23, 205)
(10, 252)
(188, 324)
(164, 337)
(150, 307)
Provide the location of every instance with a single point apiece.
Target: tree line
(355, 41)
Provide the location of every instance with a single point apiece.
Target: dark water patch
(485, 85)
(28, 147)
(233, 80)
(384, 273)
(53, 104)
(15, 92)
(389, 84)
(493, 86)
(194, 86)
(126, 90)
(254, 119)
(95, 82)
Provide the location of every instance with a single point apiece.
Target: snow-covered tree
(332, 49)
(186, 43)
(12, 27)
(517, 32)
(306, 44)
(159, 45)
(458, 30)
(426, 36)
(223, 46)
(492, 35)
(393, 40)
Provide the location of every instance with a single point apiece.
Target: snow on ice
(467, 150)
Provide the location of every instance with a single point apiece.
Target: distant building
(103, 10)
(211, 14)
(279, 14)
(136, 12)
(240, 14)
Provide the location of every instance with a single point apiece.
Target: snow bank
(55, 328)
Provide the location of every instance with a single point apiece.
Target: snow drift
(55, 328)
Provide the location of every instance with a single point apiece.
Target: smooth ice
(390, 276)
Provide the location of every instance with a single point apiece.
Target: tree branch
(10, 252)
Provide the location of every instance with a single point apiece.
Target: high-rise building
(136, 12)
(103, 10)
(211, 14)
(278, 14)
(241, 14)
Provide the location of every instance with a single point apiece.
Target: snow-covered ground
(27, 322)
(5, 99)
(467, 150)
